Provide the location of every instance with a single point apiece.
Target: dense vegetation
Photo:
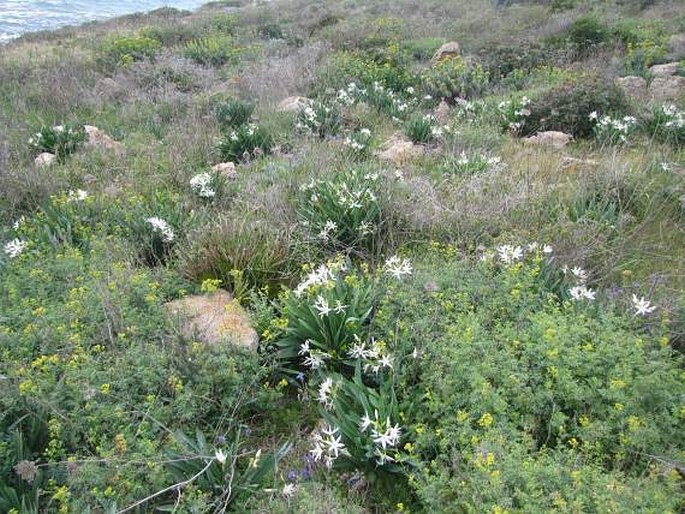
(485, 324)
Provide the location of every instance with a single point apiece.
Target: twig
(167, 489)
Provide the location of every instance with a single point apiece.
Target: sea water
(20, 16)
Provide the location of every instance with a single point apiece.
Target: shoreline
(9, 38)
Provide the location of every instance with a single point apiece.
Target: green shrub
(500, 61)
(245, 142)
(587, 34)
(365, 71)
(420, 128)
(123, 50)
(640, 56)
(232, 113)
(270, 31)
(422, 49)
(454, 78)
(358, 143)
(214, 50)
(242, 253)
(568, 108)
(60, 140)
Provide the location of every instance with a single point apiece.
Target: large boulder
(294, 103)
(666, 70)
(632, 86)
(96, 138)
(398, 150)
(446, 51)
(664, 88)
(550, 138)
(214, 318)
(45, 159)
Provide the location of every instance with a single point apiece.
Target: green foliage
(213, 50)
(322, 119)
(501, 61)
(532, 380)
(567, 108)
(419, 128)
(388, 71)
(587, 34)
(60, 140)
(323, 318)
(455, 78)
(667, 124)
(122, 50)
(242, 253)
(422, 49)
(640, 56)
(270, 31)
(232, 113)
(358, 143)
(343, 212)
(245, 142)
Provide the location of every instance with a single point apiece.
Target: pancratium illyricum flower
(642, 306)
(161, 227)
(328, 446)
(397, 267)
(14, 248)
(509, 254)
(581, 292)
(202, 185)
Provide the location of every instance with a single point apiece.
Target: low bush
(588, 34)
(568, 108)
(454, 78)
(322, 119)
(245, 142)
(667, 124)
(60, 140)
(214, 50)
(122, 50)
(230, 114)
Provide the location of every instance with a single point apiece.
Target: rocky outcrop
(214, 318)
(226, 169)
(550, 138)
(96, 138)
(446, 51)
(398, 150)
(664, 70)
(632, 86)
(294, 103)
(442, 113)
(45, 159)
(666, 88)
(676, 46)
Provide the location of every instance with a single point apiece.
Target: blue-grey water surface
(20, 16)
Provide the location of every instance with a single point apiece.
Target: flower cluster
(319, 119)
(384, 434)
(509, 255)
(397, 267)
(514, 113)
(77, 196)
(642, 306)
(376, 354)
(313, 358)
(476, 163)
(327, 445)
(324, 275)
(580, 291)
(162, 228)
(612, 130)
(468, 109)
(358, 141)
(202, 185)
(14, 247)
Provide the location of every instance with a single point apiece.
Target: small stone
(89, 179)
(227, 169)
(446, 51)
(214, 318)
(45, 159)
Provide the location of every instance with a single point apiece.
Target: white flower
(582, 293)
(509, 254)
(390, 437)
(397, 267)
(161, 226)
(289, 490)
(339, 307)
(304, 348)
(316, 359)
(325, 389)
(322, 276)
(547, 249)
(385, 361)
(14, 248)
(366, 422)
(321, 305)
(202, 185)
(358, 350)
(642, 306)
(327, 448)
(77, 196)
(593, 115)
(19, 223)
(580, 274)
(220, 456)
